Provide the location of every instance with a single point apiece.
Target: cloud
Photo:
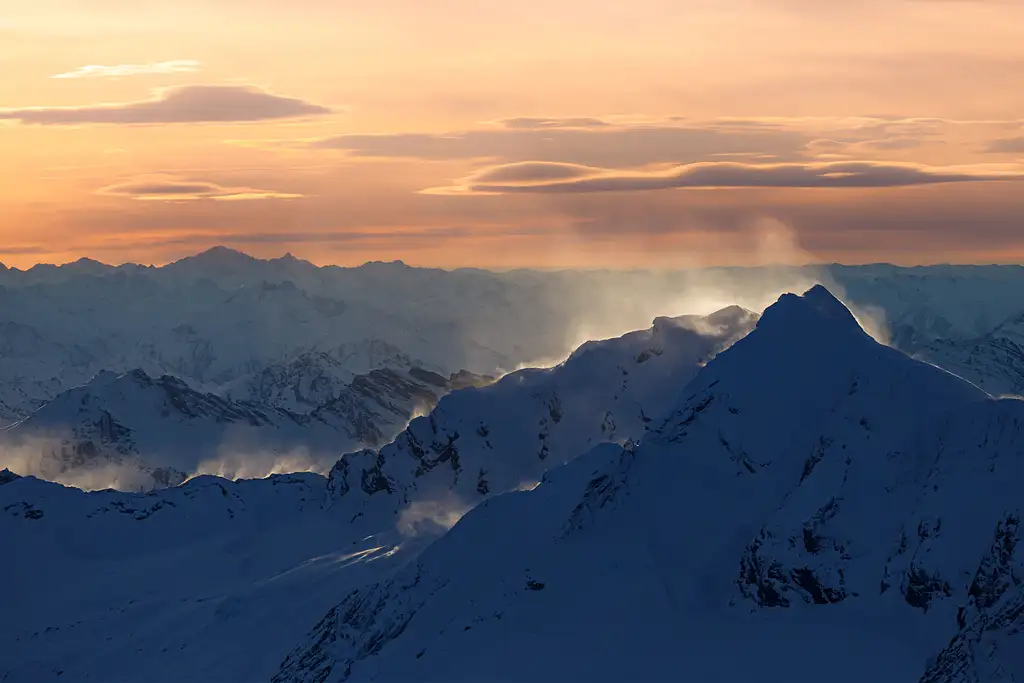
(896, 142)
(544, 177)
(120, 70)
(635, 141)
(1006, 146)
(171, 189)
(532, 172)
(25, 250)
(529, 123)
(185, 104)
(614, 145)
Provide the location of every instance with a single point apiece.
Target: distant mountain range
(222, 320)
(994, 361)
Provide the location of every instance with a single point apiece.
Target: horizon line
(288, 256)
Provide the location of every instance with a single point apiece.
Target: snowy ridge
(810, 486)
(496, 438)
(310, 379)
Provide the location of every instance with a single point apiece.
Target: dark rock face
(360, 626)
(388, 397)
(761, 580)
(602, 493)
(26, 510)
(367, 468)
(921, 587)
(991, 625)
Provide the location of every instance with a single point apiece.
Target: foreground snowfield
(216, 580)
(199, 582)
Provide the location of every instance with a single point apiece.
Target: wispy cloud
(122, 70)
(1006, 146)
(531, 123)
(185, 104)
(170, 189)
(546, 177)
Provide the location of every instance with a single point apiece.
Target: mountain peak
(816, 309)
(86, 264)
(220, 251)
(290, 260)
(221, 257)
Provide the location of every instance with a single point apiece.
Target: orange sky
(496, 134)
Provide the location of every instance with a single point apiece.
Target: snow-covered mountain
(216, 580)
(310, 379)
(994, 361)
(816, 507)
(133, 431)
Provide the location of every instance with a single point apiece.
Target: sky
(562, 133)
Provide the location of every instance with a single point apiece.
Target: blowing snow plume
(588, 305)
(431, 517)
(47, 457)
(255, 463)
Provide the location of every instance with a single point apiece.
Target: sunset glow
(477, 133)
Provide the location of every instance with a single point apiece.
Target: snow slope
(208, 581)
(816, 507)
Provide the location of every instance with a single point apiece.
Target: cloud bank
(581, 141)
(548, 177)
(185, 104)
